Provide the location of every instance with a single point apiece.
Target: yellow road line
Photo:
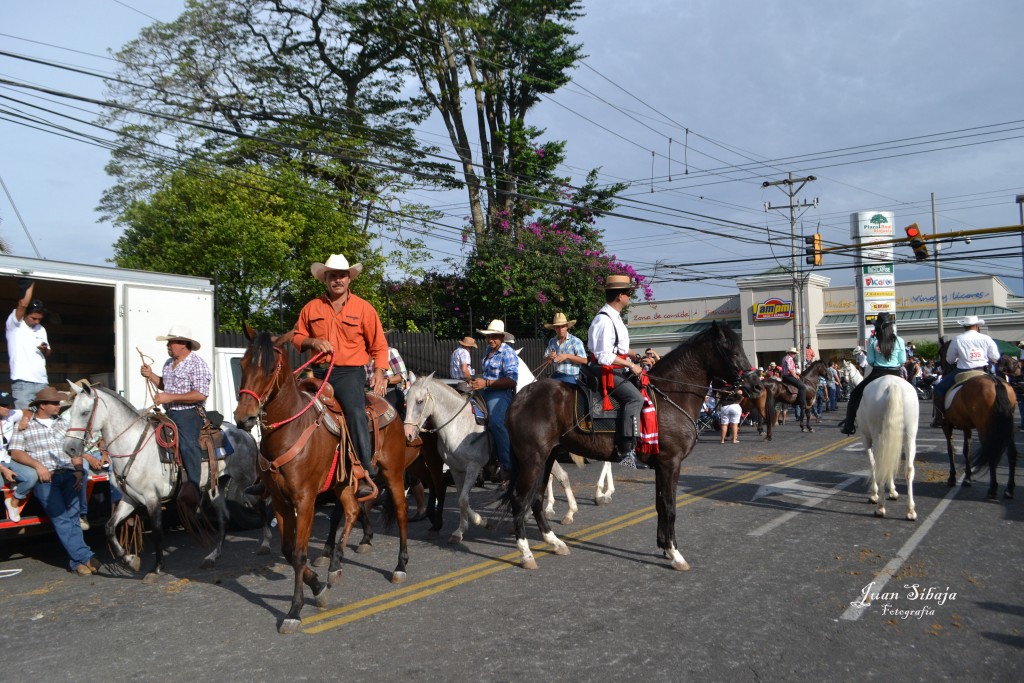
(360, 609)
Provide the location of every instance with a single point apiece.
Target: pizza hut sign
(773, 309)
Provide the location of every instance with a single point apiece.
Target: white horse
(852, 373)
(888, 417)
(142, 478)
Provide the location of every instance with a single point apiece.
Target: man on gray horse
(972, 350)
(183, 389)
(608, 343)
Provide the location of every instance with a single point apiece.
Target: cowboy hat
(335, 262)
(558, 321)
(772, 364)
(792, 349)
(496, 327)
(1020, 344)
(48, 395)
(858, 349)
(468, 342)
(180, 332)
(970, 321)
(618, 282)
(883, 318)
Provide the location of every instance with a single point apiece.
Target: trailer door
(147, 312)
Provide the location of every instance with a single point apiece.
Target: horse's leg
(558, 472)
(557, 544)
(947, 431)
(873, 482)
(666, 479)
(605, 484)
(463, 484)
(968, 477)
(122, 512)
(366, 542)
(327, 554)
(303, 526)
(395, 474)
(266, 514)
(911, 450)
(549, 497)
(350, 510)
(1011, 457)
(220, 512)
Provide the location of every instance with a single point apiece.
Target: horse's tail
(578, 459)
(889, 445)
(1000, 430)
(769, 408)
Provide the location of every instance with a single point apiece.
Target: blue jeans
(498, 401)
(27, 479)
(115, 493)
(189, 423)
(833, 397)
(23, 392)
(349, 384)
(60, 500)
(562, 377)
(943, 385)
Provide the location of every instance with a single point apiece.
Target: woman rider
(886, 355)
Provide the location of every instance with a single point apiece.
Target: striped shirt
(45, 443)
(572, 346)
(191, 374)
(501, 363)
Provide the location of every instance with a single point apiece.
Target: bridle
(87, 432)
(430, 397)
(274, 383)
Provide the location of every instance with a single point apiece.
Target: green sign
(879, 269)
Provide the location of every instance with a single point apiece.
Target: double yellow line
(333, 618)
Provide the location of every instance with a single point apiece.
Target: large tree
(255, 232)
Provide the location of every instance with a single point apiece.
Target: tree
(255, 232)
(506, 54)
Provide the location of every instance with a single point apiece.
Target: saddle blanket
(958, 384)
(221, 451)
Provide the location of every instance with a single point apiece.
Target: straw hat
(618, 282)
(559, 320)
(335, 262)
(496, 327)
(772, 364)
(792, 349)
(48, 395)
(1020, 344)
(858, 349)
(468, 342)
(970, 321)
(182, 332)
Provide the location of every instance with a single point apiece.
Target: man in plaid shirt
(41, 446)
(396, 375)
(564, 350)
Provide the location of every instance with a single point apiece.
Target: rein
(273, 383)
(87, 432)
(447, 422)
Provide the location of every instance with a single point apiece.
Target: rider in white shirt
(972, 350)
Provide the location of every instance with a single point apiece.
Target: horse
(143, 479)
(786, 393)
(542, 424)
(888, 418)
(852, 374)
(299, 457)
(763, 409)
(987, 404)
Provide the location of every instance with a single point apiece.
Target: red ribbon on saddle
(648, 421)
(608, 381)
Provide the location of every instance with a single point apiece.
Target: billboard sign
(773, 309)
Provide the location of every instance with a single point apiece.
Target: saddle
(958, 383)
(212, 440)
(476, 402)
(591, 416)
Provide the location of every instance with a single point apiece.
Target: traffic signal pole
(938, 273)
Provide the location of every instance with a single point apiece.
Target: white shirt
(460, 357)
(601, 338)
(7, 427)
(27, 362)
(972, 350)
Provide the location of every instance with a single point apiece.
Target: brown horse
(298, 459)
(785, 393)
(542, 425)
(985, 403)
(762, 408)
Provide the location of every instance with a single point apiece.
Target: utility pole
(938, 273)
(791, 187)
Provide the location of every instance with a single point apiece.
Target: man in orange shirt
(347, 325)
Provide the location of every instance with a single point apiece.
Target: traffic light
(813, 249)
(916, 240)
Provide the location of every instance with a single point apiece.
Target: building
(762, 314)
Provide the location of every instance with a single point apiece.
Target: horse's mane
(125, 403)
(262, 347)
(705, 338)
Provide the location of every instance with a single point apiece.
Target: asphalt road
(780, 536)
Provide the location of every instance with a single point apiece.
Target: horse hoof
(549, 514)
(454, 539)
(530, 563)
(603, 500)
(150, 578)
(991, 495)
(134, 562)
(912, 516)
(263, 550)
(873, 500)
(333, 577)
(681, 566)
(951, 482)
(289, 626)
(364, 548)
(321, 561)
(206, 564)
(1008, 495)
(399, 577)
(879, 513)
(567, 520)
(321, 598)
(432, 534)
(561, 550)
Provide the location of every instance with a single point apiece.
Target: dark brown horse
(298, 460)
(763, 409)
(786, 393)
(542, 425)
(985, 403)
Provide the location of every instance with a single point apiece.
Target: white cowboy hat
(180, 332)
(772, 364)
(335, 262)
(970, 321)
(858, 349)
(558, 321)
(792, 349)
(1020, 344)
(496, 327)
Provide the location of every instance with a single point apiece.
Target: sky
(884, 102)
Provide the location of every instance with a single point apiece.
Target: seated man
(19, 478)
(41, 446)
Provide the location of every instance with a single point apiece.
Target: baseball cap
(6, 400)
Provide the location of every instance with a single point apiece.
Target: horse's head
(1008, 365)
(82, 418)
(263, 365)
(418, 406)
(725, 360)
(946, 366)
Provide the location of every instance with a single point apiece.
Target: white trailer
(100, 317)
